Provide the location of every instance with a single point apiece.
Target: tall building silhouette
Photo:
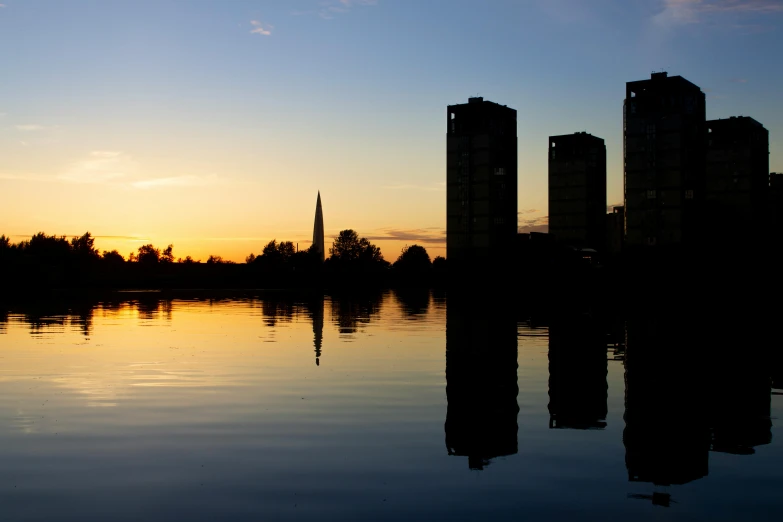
(664, 155)
(577, 190)
(737, 177)
(775, 203)
(481, 182)
(318, 228)
(615, 225)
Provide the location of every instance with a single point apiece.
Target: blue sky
(212, 124)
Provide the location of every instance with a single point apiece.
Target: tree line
(51, 261)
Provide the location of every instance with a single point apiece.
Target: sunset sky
(211, 125)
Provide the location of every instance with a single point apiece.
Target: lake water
(383, 407)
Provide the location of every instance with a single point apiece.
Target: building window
(651, 194)
(688, 194)
(500, 171)
(499, 220)
(651, 241)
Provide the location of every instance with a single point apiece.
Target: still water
(381, 407)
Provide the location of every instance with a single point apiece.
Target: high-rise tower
(664, 154)
(577, 190)
(481, 184)
(737, 179)
(318, 228)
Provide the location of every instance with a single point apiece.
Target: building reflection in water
(692, 387)
(481, 380)
(666, 434)
(577, 373)
(740, 385)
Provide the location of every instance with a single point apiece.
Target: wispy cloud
(436, 187)
(349, 3)
(433, 235)
(528, 211)
(696, 11)
(537, 224)
(24, 177)
(100, 166)
(261, 28)
(116, 168)
(331, 8)
(177, 181)
(569, 11)
(30, 127)
(129, 238)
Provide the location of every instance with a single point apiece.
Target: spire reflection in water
(316, 309)
(481, 381)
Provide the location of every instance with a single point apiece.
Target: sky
(212, 125)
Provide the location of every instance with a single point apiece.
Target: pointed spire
(318, 228)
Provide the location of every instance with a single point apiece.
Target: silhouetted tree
(84, 246)
(349, 247)
(187, 261)
(286, 250)
(214, 260)
(148, 255)
(113, 258)
(439, 264)
(276, 257)
(307, 260)
(7, 251)
(275, 252)
(414, 259)
(250, 259)
(167, 256)
(270, 249)
(346, 246)
(48, 249)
